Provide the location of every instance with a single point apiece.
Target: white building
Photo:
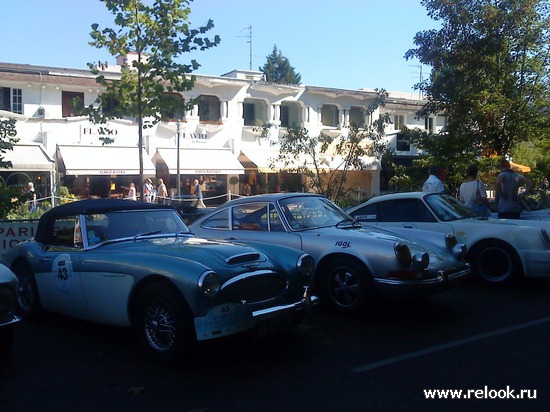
(218, 137)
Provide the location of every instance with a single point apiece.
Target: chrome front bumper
(420, 287)
(305, 304)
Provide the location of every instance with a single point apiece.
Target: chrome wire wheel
(160, 326)
(29, 302)
(164, 322)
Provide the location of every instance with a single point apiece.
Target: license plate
(223, 320)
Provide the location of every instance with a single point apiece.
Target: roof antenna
(249, 41)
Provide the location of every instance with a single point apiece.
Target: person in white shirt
(473, 194)
(132, 192)
(433, 183)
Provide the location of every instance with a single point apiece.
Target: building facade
(217, 142)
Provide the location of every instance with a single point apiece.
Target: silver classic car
(8, 309)
(129, 263)
(352, 263)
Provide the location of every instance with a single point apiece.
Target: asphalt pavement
(488, 342)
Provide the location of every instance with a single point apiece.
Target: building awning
(516, 167)
(198, 161)
(261, 160)
(28, 158)
(102, 160)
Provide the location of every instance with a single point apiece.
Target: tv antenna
(419, 66)
(249, 41)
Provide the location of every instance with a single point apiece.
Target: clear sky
(346, 44)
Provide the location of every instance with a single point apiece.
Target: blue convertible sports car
(128, 263)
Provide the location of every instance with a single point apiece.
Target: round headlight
(305, 265)
(421, 260)
(450, 240)
(210, 284)
(460, 251)
(403, 254)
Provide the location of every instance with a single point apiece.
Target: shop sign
(13, 232)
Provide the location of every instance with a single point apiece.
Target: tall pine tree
(277, 69)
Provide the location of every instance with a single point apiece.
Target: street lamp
(178, 182)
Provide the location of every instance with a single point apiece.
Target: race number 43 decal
(62, 271)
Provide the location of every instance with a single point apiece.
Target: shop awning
(102, 160)
(519, 168)
(198, 161)
(261, 160)
(28, 158)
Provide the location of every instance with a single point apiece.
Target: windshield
(308, 212)
(102, 227)
(448, 208)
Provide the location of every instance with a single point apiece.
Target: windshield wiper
(153, 232)
(350, 223)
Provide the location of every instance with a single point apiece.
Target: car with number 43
(353, 264)
(126, 263)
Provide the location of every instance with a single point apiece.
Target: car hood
(369, 234)
(208, 252)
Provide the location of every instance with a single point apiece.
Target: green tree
(8, 137)
(156, 35)
(489, 72)
(277, 69)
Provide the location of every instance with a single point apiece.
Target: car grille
(254, 287)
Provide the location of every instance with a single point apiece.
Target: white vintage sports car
(352, 264)
(498, 250)
(136, 264)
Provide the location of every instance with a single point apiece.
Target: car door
(407, 213)
(57, 269)
(256, 221)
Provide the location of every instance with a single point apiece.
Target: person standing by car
(31, 197)
(433, 183)
(473, 194)
(507, 191)
(132, 192)
(198, 194)
(148, 190)
(162, 192)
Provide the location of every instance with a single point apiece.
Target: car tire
(6, 342)
(164, 323)
(495, 262)
(29, 300)
(346, 286)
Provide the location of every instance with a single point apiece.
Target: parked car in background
(498, 250)
(8, 310)
(536, 206)
(136, 264)
(189, 211)
(352, 264)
